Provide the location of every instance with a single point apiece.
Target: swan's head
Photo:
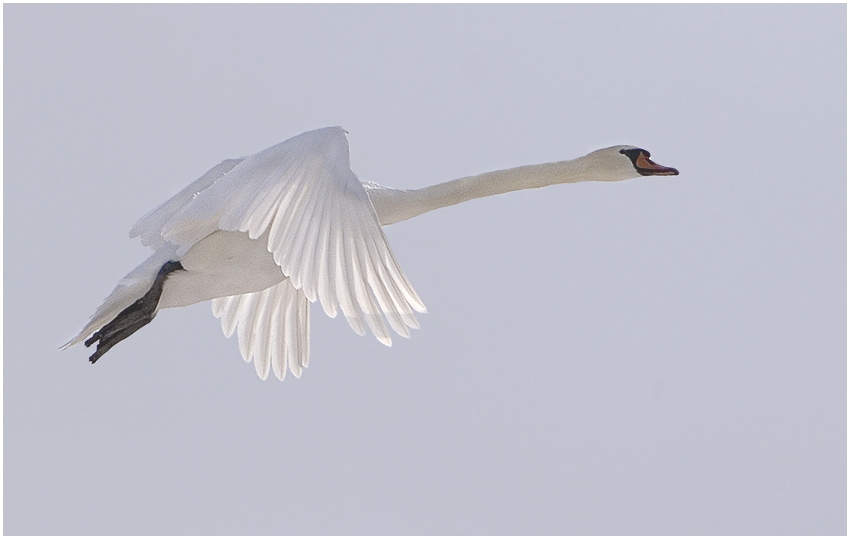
(623, 162)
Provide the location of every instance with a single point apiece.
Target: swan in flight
(265, 235)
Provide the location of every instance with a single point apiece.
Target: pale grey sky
(659, 356)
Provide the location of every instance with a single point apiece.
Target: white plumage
(264, 235)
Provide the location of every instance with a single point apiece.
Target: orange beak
(646, 166)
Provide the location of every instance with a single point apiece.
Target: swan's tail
(134, 317)
(129, 290)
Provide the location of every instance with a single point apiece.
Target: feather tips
(273, 326)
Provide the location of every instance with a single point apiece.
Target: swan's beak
(647, 167)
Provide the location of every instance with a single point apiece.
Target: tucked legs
(134, 317)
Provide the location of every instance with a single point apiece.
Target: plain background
(659, 356)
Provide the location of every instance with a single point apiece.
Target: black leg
(134, 317)
(117, 336)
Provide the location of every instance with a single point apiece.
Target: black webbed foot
(134, 317)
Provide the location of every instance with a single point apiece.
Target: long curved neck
(394, 205)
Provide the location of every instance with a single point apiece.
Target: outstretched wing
(273, 328)
(323, 231)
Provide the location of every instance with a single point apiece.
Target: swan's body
(264, 235)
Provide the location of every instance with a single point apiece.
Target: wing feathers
(344, 292)
(292, 340)
(224, 308)
(273, 327)
(323, 233)
(261, 334)
(303, 335)
(277, 338)
(149, 227)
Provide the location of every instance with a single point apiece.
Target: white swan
(264, 235)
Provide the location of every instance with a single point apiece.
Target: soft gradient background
(657, 356)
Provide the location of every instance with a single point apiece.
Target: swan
(265, 235)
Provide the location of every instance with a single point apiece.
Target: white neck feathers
(394, 205)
